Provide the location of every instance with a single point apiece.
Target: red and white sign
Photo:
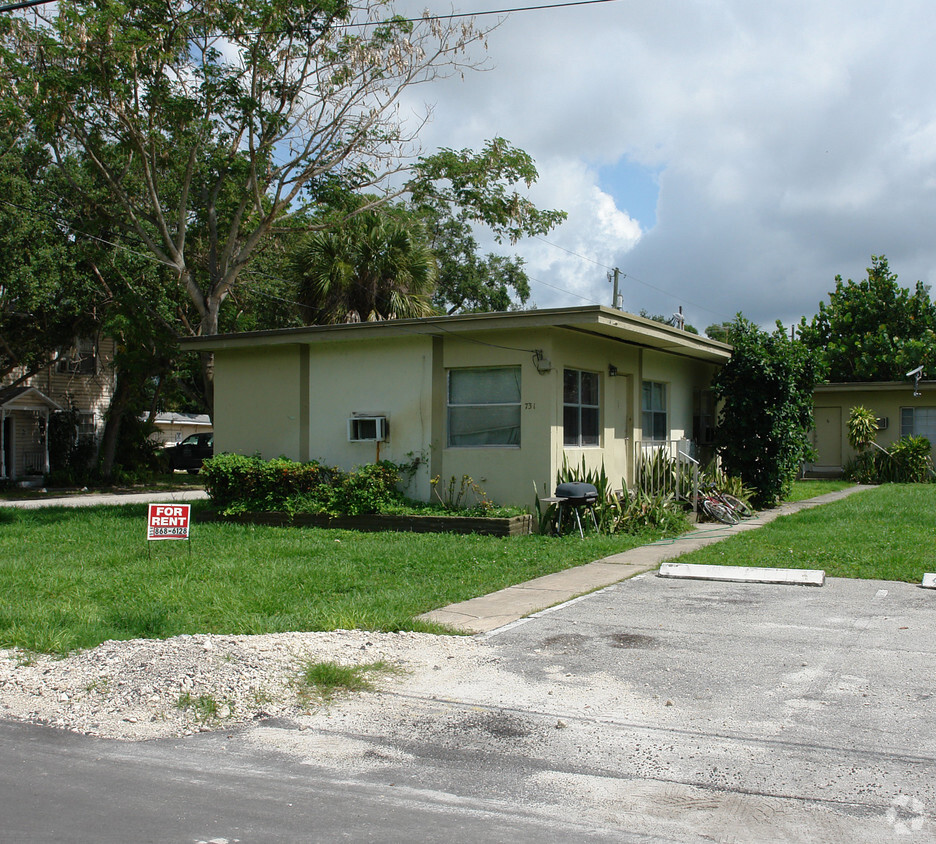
(168, 521)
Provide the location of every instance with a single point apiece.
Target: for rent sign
(168, 521)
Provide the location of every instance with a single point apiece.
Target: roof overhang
(593, 319)
(26, 398)
(873, 386)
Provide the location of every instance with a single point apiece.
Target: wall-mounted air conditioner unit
(882, 423)
(368, 429)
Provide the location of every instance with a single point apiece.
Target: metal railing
(667, 467)
(34, 462)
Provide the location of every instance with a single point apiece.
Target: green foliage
(239, 484)
(873, 329)
(326, 679)
(465, 495)
(909, 460)
(480, 185)
(616, 512)
(862, 428)
(766, 390)
(375, 265)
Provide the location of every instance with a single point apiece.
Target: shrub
(908, 461)
(239, 484)
(862, 428)
(766, 390)
(624, 512)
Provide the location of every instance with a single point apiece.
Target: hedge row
(239, 484)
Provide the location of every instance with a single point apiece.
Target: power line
(680, 299)
(28, 4)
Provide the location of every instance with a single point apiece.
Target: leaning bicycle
(723, 507)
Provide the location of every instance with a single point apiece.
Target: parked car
(190, 453)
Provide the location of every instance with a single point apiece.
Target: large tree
(47, 299)
(207, 121)
(873, 329)
(766, 396)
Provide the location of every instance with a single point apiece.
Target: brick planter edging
(511, 526)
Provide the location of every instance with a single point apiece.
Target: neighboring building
(502, 397)
(81, 379)
(900, 407)
(172, 428)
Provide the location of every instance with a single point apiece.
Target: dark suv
(189, 453)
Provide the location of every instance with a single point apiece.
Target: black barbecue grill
(577, 496)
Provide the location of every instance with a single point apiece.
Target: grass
(884, 533)
(157, 483)
(810, 489)
(72, 579)
(326, 679)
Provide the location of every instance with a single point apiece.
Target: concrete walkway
(95, 498)
(481, 615)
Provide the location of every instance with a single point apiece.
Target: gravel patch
(146, 689)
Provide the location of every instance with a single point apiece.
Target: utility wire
(28, 4)
(680, 299)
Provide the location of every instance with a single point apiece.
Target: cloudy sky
(726, 155)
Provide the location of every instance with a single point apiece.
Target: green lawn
(72, 578)
(811, 489)
(884, 533)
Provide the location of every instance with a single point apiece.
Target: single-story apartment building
(505, 398)
(901, 408)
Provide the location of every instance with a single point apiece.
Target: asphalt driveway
(653, 710)
(750, 712)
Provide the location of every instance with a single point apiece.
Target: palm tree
(373, 266)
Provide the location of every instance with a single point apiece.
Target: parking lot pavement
(747, 712)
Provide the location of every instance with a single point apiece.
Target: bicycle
(723, 507)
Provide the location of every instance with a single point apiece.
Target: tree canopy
(873, 329)
(208, 125)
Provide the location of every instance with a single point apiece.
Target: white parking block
(929, 581)
(744, 574)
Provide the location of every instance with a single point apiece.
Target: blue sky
(726, 155)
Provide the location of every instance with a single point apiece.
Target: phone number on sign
(160, 531)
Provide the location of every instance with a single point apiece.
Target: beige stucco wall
(257, 406)
(295, 400)
(883, 402)
(391, 379)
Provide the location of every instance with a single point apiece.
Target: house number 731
(530, 405)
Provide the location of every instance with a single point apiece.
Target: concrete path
(489, 612)
(94, 499)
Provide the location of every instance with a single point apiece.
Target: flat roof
(589, 319)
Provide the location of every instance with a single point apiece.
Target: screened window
(654, 411)
(920, 421)
(579, 407)
(484, 406)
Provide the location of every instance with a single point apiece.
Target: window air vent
(367, 429)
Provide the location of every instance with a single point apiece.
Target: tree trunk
(118, 406)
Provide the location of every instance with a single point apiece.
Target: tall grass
(72, 578)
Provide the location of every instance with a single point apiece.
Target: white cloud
(792, 140)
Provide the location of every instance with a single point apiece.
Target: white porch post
(3, 471)
(45, 442)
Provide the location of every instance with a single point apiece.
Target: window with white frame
(653, 406)
(484, 406)
(918, 421)
(580, 409)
